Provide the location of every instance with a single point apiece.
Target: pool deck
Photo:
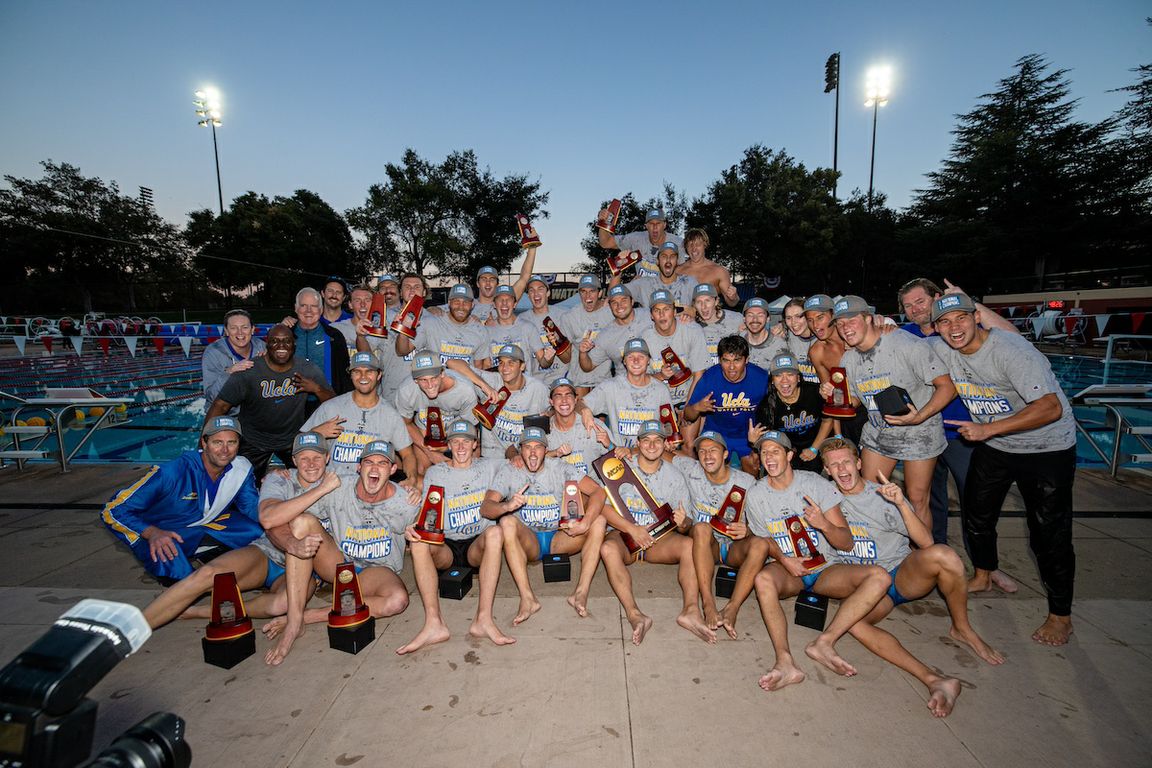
(576, 692)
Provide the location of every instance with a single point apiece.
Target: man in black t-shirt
(272, 395)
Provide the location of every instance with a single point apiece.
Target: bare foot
(712, 618)
(274, 627)
(487, 628)
(1004, 582)
(1054, 631)
(694, 623)
(640, 626)
(579, 603)
(430, 634)
(979, 583)
(277, 654)
(944, 693)
(825, 653)
(977, 644)
(728, 621)
(526, 611)
(781, 675)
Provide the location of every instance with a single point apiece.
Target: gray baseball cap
(533, 435)
(704, 289)
(511, 351)
(379, 448)
(650, 427)
(221, 424)
(365, 360)
(756, 303)
(784, 362)
(505, 290)
(462, 291)
(952, 302)
(309, 441)
(487, 271)
(619, 290)
(850, 306)
(590, 281)
(775, 436)
(461, 428)
(714, 436)
(426, 363)
(563, 381)
(635, 345)
(821, 302)
(660, 296)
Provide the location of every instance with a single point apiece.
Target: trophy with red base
(562, 344)
(350, 623)
(528, 236)
(839, 405)
(615, 474)
(620, 261)
(487, 411)
(229, 637)
(611, 217)
(430, 522)
(409, 318)
(434, 429)
(802, 545)
(377, 317)
(572, 504)
(670, 427)
(730, 511)
(680, 372)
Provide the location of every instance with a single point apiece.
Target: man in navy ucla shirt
(727, 395)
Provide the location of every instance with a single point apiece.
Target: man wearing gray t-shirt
(649, 242)
(626, 324)
(631, 398)
(527, 397)
(882, 524)
(582, 324)
(684, 340)
(1025, 433)
(431, 389)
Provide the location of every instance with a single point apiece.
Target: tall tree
(443, 218)
(83, 237)
(1026, 188)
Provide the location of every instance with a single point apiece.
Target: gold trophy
(430, 522)
(611, 219)
(409, 318)
(374, 323)
(350, 623)
(730, 511)
(528, 236)
(229, 637)
(487, 411)
(839, 405)
(614, 474)
(802, 545)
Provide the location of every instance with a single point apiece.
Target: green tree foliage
(83, 239)
(632, 216)
(276, 246)
(1026, 189)
(445, 218)
(768, 216)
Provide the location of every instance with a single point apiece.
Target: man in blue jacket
(164, 515)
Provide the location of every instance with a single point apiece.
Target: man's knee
(305, 524)
(702, 532)
(765, 583)
(493, 536)
(877, 578)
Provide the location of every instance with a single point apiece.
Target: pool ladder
(1113, 397)
(16, 453)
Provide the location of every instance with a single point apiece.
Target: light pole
(208, 110)
(877, 88)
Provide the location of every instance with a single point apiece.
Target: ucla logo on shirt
(270, 389)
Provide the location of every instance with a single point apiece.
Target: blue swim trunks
(894, 593)
(275, 571)
(810, 579)
(725, 545)
(544, 538)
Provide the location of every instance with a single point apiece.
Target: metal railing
(1112, 398)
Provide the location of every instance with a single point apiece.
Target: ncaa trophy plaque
(434, 437)
(680, 373)
(229, 637)
(730, 511)
(487, 411)
(621, 260)
(802, 545)
(375, 322)
(528, 236)
(839, 405)
(430, 522)
(611, 217)
(562, 343)
(350, 623)
(671, 427)
(615, 474)
(409, 318)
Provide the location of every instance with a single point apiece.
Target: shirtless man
(882, 523)
(783, 493)
(526, 497)
(471, 540)
(704, 270)
(667, 486)
(826, 353)
(361, 522)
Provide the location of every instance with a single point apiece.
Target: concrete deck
(576, 692)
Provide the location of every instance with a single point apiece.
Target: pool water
(169, 405)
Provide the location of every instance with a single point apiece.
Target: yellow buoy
(96, 412)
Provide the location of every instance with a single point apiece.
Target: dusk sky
(592, 99)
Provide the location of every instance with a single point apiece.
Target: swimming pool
(168, 404)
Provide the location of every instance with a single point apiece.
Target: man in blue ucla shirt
(727, 395)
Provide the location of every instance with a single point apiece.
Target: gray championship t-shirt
(575, 323)
(610, 343)
(361, 426)
(529, 400)
(278, 488)
(900, 359)
(728, 325)
(585, 448)
(687, 341)
(520, 334)
(762, 355)
(451, 340)
(667, 485)
(271, 405)
(627, 406)
(464, 491)
(706, 495)
(544, 494)
(454, 403)
(879, 536)
(639, 241)
(368, 534)
(798, 347)
(999, 380)
(558, 367)
(768, 508)
(681, 289)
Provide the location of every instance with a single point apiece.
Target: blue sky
(594, 99)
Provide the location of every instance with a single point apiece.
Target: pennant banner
(186, 344)
(1012, 311)
(130, 342)
(1137, 321)
(77, 344)
(1037, 325)
(1102, 323)
(47, 342)
(21, 341)
(104, 343)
